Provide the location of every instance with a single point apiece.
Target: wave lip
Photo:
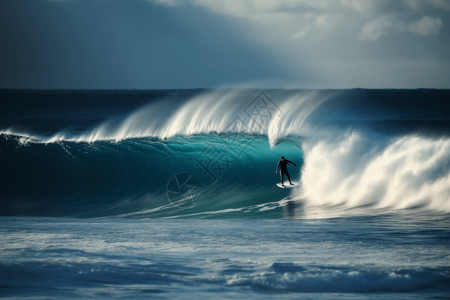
(219, 111)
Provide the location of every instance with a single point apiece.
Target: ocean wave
(356, 171)
(219, 112)
(229, 147)
(289, 277)
(143, 177)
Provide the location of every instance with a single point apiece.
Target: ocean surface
(170, 194)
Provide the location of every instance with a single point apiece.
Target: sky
(159, 44)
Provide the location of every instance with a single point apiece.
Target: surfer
(282, 164)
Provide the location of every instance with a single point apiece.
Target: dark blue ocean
(170, 194)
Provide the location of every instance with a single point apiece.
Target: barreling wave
(144, 177)
(214, 155)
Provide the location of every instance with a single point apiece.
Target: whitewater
(171, 194)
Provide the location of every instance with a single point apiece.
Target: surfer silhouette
(282, 164)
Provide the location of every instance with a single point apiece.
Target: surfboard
(287, 185)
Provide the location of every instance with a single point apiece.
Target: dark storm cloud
(122, 44)
(210, 43)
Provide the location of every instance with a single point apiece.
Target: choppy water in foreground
(389, 256)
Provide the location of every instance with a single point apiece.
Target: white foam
(409, 172)
(218, 111)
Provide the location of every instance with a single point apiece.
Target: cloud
(426, 26)
(368, 20)
(421, 5)
(167, 2)
(441, 4)
(246, 8)
(376, 29)
(302, 43)
(315, 26)
(327, 36)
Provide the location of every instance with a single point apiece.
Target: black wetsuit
(283, 166)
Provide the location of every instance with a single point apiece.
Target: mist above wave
(218, 111)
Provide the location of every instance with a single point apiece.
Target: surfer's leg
(282, 177)
(289, 177)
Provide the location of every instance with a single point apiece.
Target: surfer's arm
(291, 162)
(276, 172)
